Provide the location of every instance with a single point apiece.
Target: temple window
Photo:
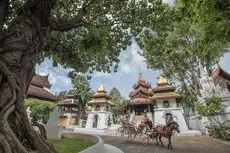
(177, 104)
(165, 104)
(97, 108)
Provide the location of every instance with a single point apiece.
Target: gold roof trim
(165, 95)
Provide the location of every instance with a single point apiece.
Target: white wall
(102, 119)
(177, 113)
(102, 107)
(172, 103)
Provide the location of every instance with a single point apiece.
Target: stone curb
(97, 148)
(222, 141)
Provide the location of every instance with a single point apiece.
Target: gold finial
(162, 79)
(101, 88)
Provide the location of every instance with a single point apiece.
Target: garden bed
(71, 145)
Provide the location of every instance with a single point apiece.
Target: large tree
(184, 38)
(85, 35)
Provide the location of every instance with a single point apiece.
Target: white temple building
(167, 104)
(100, 117)
(218, 84)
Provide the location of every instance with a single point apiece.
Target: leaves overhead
(82, 85)
(179, 38)
(96, 45)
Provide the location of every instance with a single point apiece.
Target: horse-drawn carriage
(145, 131)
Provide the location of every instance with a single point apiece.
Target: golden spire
(161, 79)
(101, 88)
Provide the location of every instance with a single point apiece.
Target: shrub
(40, 109)
(219, 130)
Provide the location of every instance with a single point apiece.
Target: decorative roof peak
(162, 80)
(101, 88)
(140, 78)
(140, 71)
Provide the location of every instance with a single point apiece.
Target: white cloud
(57, 76)
(130, 60)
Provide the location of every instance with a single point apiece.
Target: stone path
(198, 144)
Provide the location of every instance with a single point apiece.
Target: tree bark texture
(20, 48)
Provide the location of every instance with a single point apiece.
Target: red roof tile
(140, 101)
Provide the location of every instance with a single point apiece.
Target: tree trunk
(20, 49)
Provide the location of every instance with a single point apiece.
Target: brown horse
(166, 131)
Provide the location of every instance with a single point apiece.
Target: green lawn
(71, 145)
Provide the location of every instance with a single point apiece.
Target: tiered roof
(70, 100)
(164, 90)
(101, 96)
(142, 92)
(37, 88)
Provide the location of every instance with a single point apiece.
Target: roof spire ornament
(140, 71)
(162, 80)
(101, 88)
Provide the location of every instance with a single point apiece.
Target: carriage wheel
(132, 134)
(119, 130)
(123, 134)
(145, 135)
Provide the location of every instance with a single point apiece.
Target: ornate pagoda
(100, 116)
(39, 88)
(140, 102)
(167, 106)
(69, 109)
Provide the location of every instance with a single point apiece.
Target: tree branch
(31, 3)
(4, 6)
(63, 25)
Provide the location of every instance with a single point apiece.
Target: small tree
(84, 92)
(40, 109)
(119, 107)
(211, 108)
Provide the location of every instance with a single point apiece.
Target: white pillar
(68, 120)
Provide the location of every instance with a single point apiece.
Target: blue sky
(123, 80)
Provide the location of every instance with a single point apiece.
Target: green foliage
(40, 109)
(95, 45)
(211, 107)
(177, 39)
(118, 101)
(84, 91)
(71, 145)
(219, 130)
(82, 85)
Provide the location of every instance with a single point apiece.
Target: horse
(166, 131)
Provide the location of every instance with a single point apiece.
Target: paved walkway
(199, 144)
